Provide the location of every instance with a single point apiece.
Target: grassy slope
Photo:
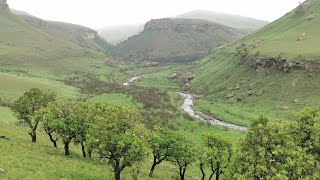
(26, 49)
(274, 93)
(234, 21)
(170, 43)
(280, 37)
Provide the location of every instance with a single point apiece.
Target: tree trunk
(217, 175)
(117, 175)
(84, 154)
(89, 152)
(66, 148)
(52, 140)
(182, 172)
(202, 171)
(211, 175)
(33, 135)
(153, 166)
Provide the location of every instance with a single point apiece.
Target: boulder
(230, 95)
(2, 171)
(312, 16)
(174, 76)
(189, 76)
(302, 37)
(186, 86)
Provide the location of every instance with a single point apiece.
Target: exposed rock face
(278, 63)
(312, 16)
(183, 25)
(3, 4)
(90, 34)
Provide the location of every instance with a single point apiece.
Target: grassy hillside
(238, 22)
(267, 73)
(83, 36)
(168, 40)
(25, 49)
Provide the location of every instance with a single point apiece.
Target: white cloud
(99, 13)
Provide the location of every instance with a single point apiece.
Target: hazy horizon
(98, 14)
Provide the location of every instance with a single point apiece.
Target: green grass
(22, 159)
(12, 86)
(280, 37)
(117, 99)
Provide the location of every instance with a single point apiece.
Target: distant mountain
(235, 21)
(120, 33)
(167, 40)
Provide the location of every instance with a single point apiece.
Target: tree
(202, 156)
(48, 125)
(27, 105)
(67, 119)
(118, 136)
(161, 143)
(218, 154)
(269, 150)
(182, 155)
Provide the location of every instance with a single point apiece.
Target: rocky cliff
(189, 25)
(3, 4)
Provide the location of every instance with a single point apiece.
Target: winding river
(132, 80)
(187, 107)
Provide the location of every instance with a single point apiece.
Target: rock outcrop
(3, 4)
(187, 25)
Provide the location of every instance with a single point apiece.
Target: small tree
(27, 105)
(182, 155)
(161, 143)
(67, 119)
(48, 125)
(118, 137)
(218, 154)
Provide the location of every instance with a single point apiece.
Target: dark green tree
(218, 154)
(67, 119)
(117, 136)
(182, 155)
(27, 105)
(161, 142)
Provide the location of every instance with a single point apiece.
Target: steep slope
(118, 34)
(24, 48)
(83, 36)
(238, 22)
(273, 71)
(168, 40)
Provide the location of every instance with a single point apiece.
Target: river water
(187, 106)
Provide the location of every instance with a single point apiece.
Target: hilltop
(168, 40)
(273, 71)
(49, 47)
(235, 21)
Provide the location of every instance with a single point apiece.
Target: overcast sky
(100, 13)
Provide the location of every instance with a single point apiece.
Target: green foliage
(68, 118)
(28, 104)
(182, 155)
(280, 150)
(117, 136)
(162, 143)
(218, 154)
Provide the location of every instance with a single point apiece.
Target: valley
(200, 87)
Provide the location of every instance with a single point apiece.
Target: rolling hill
(169, 40)
(26, 49)
(83, 36)
(235, 21)
(272, 72)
